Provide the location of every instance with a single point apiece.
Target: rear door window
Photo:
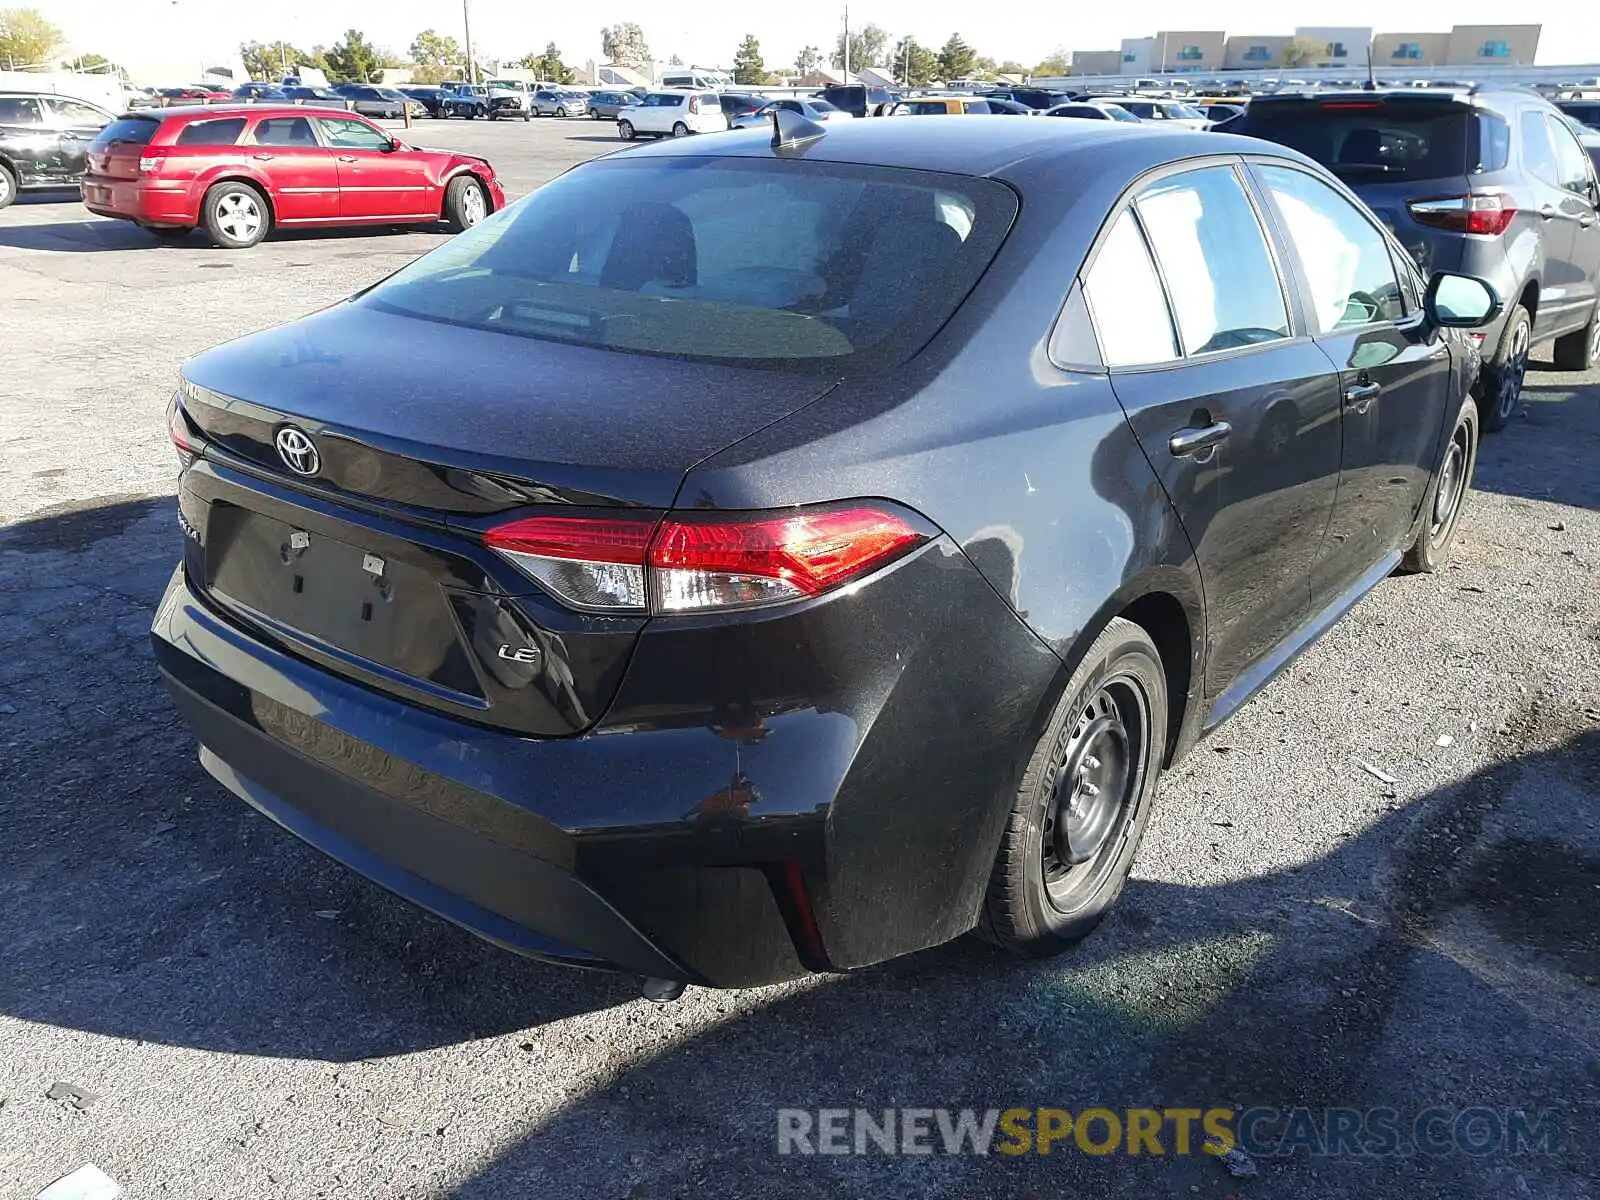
(1126, 302)
(1572, 164)
(1371, 141)
(1211, 251)
(285, 131)
(211, 133)
(20, 110)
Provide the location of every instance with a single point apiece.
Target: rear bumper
(140, 200)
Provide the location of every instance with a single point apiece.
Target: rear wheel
(1499, 386)
(680, 130)
(561, 112)
(1577, 351)
(625, 130)
(235, 215)
(8, 186)
(465, 203)
(1085, 799)
(1446, 495)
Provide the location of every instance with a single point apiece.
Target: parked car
(821, 662)
(1035, 98)
(509, 99)
(240, 170)
(676, 113)
(857, 99)
(303, 94)
(1174, 114)
(1217, 113)
(557, 102)
(259, 91)
(466, 100)
(939, 106)
(431, 98)
(999, 106)
(1491, 183)
(192, 94)
(1585, 112)
(812, 110)
(1093, 110)
(371, 101)
(606, 105)
(43, 139)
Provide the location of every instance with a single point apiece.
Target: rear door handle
(1548, 212)
(1188, 442)
(1360, 396)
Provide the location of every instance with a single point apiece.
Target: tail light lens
(694, 104)
(705, 562)
(1476, 212)
(178, 429)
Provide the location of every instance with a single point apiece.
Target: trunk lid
(368, 559)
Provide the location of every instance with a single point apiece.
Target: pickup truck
(467, 100)
(509, 98)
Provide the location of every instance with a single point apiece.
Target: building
(1170, 52)
(1493, 45)
(1096, 62)
(1342, 45)
(1137, 55)
(1403, 50)
(1255, 52)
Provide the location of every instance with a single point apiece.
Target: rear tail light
(149, 163)
(704, 562)
(183, 437)
(694, 104)
(1476, 212)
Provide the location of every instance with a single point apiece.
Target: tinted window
(350, 134)
(977, 106)
(721, 259)
(1367, 141)
(1126, 302)
(211, 133)
(20, 110)
(1572, 164)
(1538, 154)
(1343, 258)
(76, 112)
(1224, 289)
(129, 131)
(285, 131)
(1494, 143)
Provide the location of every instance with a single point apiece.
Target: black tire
(8, 186)
(1499, 386)
(1108, 736)
(680, 130)
(1576, 351)
(1446, 495)
(225, 215)
(526, 116)
(459, 206)
(562, 112)
(625, 130)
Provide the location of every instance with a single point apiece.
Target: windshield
(768, 263)
(1369, 141)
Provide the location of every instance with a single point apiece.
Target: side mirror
(1460, 301)
(392, 145)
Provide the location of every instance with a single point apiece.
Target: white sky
(161, 30)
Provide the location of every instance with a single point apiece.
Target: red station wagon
(239, 170)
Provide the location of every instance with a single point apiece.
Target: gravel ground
(257, 1022)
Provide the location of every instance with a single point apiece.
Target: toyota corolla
(787, 550)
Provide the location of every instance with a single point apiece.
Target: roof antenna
(790, 130)
(1372, 81)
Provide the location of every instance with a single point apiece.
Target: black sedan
(383, 103)
(431, 98)
(44, 140)
(821, 563)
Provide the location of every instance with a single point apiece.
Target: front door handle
(1361, 395)
(1190, 442)
(347, 158)
(1548, 212)
(262, 157)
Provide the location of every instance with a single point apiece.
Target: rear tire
(680, 130)
(562, 113)
(1499, 386)
(8, 186)
(1576, 351)
(465, 203)
(1085, 799)
(1446, 496)
(235, 215)
(625, 130)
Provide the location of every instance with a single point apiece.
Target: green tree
(748, 68)
(1059, 62)
(354, 60)
(867, 45)
(26, 38)
(807, 61)
(99, 64)
(915, 64)
(1302, 52)
(548, 66)
(435, 57)
(625, 46)
(1012, 67)
(273, 60)
(957, 59)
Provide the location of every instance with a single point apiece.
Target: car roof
(238, 110)
(1016, 151)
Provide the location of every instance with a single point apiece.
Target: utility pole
(466, 25)
(905, 73)
(847, 43)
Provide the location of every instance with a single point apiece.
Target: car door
(1394, 370)
(1577, 210)
(1236, 409)
(26, 143)
(76, 124)
(376, 178)
(299, 170)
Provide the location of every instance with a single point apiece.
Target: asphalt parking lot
(251, 1020)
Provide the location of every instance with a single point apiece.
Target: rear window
(1368, 141)
(788, 265)
(212, 133)
(127, 131)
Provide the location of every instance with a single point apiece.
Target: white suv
(677, 113)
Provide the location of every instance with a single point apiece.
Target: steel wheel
(1452, 483)
(1098, 774)
(239, 216)
(473, 206)
(1512, 374)
(680, 130)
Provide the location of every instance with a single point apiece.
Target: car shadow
(99, 236)
(1547, 451)
(62, 195)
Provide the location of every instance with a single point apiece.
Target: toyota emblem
(297, 451)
